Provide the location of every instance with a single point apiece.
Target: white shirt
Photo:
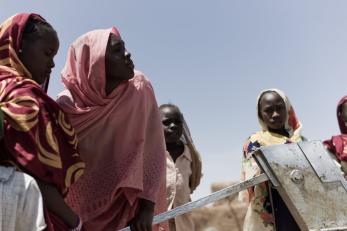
(21, 205)
(178, 190)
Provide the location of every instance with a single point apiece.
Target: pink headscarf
(120, 137)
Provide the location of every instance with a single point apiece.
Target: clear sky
(212, 58)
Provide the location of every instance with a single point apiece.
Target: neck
(175, 149)
(174, 145)
(111, 85)
(281, 131)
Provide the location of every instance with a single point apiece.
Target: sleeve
(249, 168)
(329, 144)
(32, 213)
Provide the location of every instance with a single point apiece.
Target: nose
(173, 126)
(127, 54)
(275, 114)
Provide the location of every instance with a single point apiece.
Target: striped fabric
(38, 137)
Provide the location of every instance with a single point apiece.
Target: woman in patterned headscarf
(38, 138)
(337, 145)
(279, 125)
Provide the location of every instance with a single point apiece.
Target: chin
(38, 80)
(131, 74)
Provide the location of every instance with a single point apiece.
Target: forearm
(55, 203)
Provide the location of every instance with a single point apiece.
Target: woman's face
(172, 123)
(272, 110)
(119, 65)
(37, 55)
(344, 112)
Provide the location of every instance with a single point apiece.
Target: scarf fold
(38, 138)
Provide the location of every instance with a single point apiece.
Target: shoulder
(252, 143)
(21, 89)
(17, 182)
(142, 86)
(26, 185)
(140, 80)
(186, 153)
(65, 99)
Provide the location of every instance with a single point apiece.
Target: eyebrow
(276, 104)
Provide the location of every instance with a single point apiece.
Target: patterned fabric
(10, 42)
(338, 144)
(38, 138)
(120, 138)
(259, 216)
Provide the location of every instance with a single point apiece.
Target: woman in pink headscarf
(115, 114)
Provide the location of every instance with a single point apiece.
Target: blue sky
(212, 58)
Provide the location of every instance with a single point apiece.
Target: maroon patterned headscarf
(338, 144)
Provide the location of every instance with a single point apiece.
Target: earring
(20, 51)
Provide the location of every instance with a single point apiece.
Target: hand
(144, 218)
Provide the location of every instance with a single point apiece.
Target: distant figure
(279, 125)
(183, 164)
(337, 145)
(38, 138)
(114, 111)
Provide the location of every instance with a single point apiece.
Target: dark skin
(343, 111)
(172, 121)
(119, 68)
(37, 56)
(118, 63)
(272, 111)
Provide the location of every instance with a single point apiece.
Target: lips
(130, 63)
(276, 121)
(174, 133)
(48, 72)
